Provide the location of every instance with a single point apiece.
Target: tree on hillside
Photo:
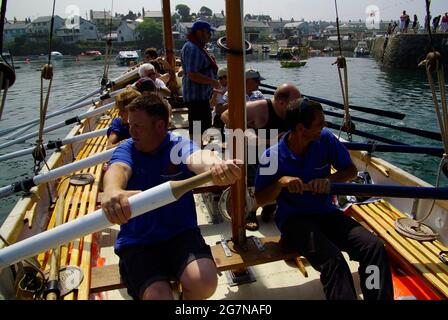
(130, 16)
(151, 32)
(205, 12)
(184, 12)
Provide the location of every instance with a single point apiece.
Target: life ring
(221, 42)
(8, 73)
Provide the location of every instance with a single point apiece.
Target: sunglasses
(222, 77)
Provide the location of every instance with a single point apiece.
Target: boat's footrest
(107, 278)
(251, 255)
(414, 257)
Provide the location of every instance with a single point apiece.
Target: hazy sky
(287, 9)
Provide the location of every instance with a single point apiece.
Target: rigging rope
(346, 125)
(39, 153)
(108, 53)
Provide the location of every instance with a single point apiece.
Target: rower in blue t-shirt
(310, 222)
(165, 243)
(119, 128)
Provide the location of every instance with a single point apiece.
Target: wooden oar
(56, 144)
(418, 132)
(59, 112)
(384, 113)
(54, 174)
(53, 292)
(145, 201)
(377, 190)
(365, 134)
(61, 124)
(370, 147)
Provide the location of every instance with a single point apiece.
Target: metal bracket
(257, 243)
(225, 246)
(235, 279)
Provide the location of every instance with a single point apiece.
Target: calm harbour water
(405, 91)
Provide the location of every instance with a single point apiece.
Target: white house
(40, 27)
(127, 32)
(156, 15)
(182, 29)
(78, 29)
(14, 30)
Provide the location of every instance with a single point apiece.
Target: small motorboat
(292, 63)
(90, 55)
(126, 58)
(56, 55)
(361, 50)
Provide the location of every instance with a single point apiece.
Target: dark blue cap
(198, 25)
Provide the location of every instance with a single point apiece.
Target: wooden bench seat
(415, 257)
(107, 277)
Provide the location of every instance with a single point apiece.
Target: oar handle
(179, 188)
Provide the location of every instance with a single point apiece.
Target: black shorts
(141, 266)
(199, 111)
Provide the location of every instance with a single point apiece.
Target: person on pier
(166, 243)
(310, 222)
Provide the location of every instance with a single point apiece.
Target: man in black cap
(200, 75)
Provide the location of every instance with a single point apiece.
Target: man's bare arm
(115, 198)
(224, 172)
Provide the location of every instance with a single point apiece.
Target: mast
(237, 110)
(168, 40)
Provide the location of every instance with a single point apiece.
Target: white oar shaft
(126, 76)
(59, 125)
(58, 113)
(143, 202)
(73, 167)
(62, 171)
(64, 142)
(87, 96)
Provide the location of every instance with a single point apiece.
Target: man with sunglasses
(309, 221)
(199, 79)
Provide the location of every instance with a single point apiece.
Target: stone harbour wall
(407, 50)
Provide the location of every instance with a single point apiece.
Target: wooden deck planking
(431, 270)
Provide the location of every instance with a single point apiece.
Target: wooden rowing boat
(270, 271)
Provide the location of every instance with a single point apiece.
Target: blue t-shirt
(119, 128)
(323, 153)
(150, 170)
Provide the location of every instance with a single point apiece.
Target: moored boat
(361, 50)
(292, 63)
(127, 58)
(90, 55)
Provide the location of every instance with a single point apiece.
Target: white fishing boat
(59, 209)
(126, 58)
(361, 50)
